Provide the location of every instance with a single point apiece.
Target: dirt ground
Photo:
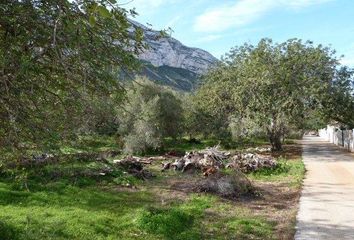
(274, 199)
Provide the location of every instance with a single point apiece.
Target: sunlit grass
(289, 171)
(63, 201)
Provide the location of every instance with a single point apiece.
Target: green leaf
(104, 12)
(92, 20)
(92, 8)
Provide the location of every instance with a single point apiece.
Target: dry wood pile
(207, 160)
(210, 160)
(250, 162)
(229, 186)
(258, 150)
(135, 166)
(34, 161)
(46, 158)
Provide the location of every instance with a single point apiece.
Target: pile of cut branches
(208, 160)
(250, 162)
(135, 166)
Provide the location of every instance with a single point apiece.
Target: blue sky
(218, 25)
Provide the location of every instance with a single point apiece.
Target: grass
(247, 227)
(69, 200)
(71, 213)
(289, 171)
(62, 211)
(227, 220)
(94, 143)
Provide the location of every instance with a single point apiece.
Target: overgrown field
(71, 199)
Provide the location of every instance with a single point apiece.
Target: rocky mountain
(168, 61)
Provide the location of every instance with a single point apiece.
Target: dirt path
(327, 200)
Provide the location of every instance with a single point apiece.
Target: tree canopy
(54, 56)
(277, 87)
(151, 114)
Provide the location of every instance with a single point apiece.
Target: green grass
(227, 220)
(90, 208)
(251, 228)
(70, 201)
(72, 213)
(91, 143)
(289, 171)
(179, 221)
(62, 211)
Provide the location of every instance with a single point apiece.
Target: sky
(219, 25)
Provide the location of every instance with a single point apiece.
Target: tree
(99, 116)
(195, 118)
(213, 104)
(52, 55)
(151, 113)
(273, 85)
(340, 105)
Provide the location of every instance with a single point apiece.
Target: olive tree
(52, 55)
(274, 85)
(150, 114)
(340, 106)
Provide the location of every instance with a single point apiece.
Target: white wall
(336, 136)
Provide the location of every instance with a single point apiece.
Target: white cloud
(243, 12)
(304, 3)
(348, 58)
(209, 38)
(145, 6)
(172, 22)
(348, 61)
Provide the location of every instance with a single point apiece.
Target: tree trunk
(275, 141)
(275, 133)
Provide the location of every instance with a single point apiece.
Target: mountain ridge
(169, 62)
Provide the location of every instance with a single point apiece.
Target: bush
(144, 136)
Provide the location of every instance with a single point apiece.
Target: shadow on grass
(8, 231)
(87, 198)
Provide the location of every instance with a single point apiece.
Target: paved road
(327, 200)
